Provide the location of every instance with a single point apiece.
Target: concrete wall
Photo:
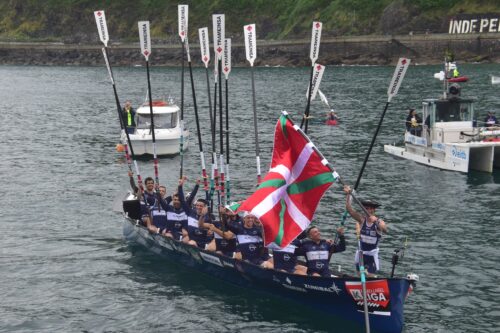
(422, 49)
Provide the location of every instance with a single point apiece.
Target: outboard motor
(454, 91)
(132, 209)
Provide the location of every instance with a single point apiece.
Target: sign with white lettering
(477, 23)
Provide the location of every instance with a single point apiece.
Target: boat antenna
(145, 40)
(226, 70)
(100, 18)
(313, 55)
(251, 55)
(398, 253)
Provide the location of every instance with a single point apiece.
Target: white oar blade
(204, 48)
(218, 30)
(315, 41)
(145, 38)
(183, 21)
(323, 98)
(397, 78)
(100, 20)
(226, 68)
(250, 43)
(316, 80)
(440, 76)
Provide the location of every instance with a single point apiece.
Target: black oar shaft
(256, 132)
(182, 114)
(221, 118)
(308, 105)
(371, 146)
(227, 122)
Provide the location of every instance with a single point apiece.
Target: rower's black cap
(370, 203)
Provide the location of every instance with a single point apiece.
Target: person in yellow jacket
(129, 117)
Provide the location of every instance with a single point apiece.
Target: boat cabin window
(453, 110)
(165, 120)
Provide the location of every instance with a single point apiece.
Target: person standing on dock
(369, 229)
(129, 117)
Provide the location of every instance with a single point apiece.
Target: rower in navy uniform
(220, 244)
(369, 229)
(318, 251)
(147, 198)
(249, 235)
(176, 216)
(196, 236)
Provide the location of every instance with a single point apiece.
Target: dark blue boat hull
(339, 297)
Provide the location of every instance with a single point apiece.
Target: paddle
(397, 78)
(227, 70)
(251, 55)
(145, 41)
(183, 27)
(102, 28)
(313, 55)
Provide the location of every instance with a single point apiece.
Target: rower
(369, 229)
(317, 251)
(224, 241)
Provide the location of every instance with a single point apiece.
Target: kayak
(458, 79)
(332, 122)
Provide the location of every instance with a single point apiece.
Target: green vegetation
(73, 20)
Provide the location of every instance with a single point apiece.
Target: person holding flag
(369, 229)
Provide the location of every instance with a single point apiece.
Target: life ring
(491, 140)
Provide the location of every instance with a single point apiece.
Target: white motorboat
(449, 138)
(166, 117)
(495, 79)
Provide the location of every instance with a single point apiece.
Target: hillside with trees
(72, 21)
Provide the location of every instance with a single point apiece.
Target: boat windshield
(165, 120)
(453, 110)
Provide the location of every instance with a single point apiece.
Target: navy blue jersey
(226, 246)
(318, 254)
(286, 259)
(250, 243)
(159, 218)
(370, 236)
(199, 235)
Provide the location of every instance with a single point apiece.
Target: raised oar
(251, 55)
(218, 21)
(205, 58)
(361, 264)
(102, 28)
(317, 76)
(145, 40)
(397, 78)
(313, 55)
(227, 69)
(183, 27)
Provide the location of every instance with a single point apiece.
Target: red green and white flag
(288, 196)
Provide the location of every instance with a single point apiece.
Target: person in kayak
(369, 230)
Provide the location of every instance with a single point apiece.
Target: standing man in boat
(317, 251)
(129, 117)
(369, 229)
